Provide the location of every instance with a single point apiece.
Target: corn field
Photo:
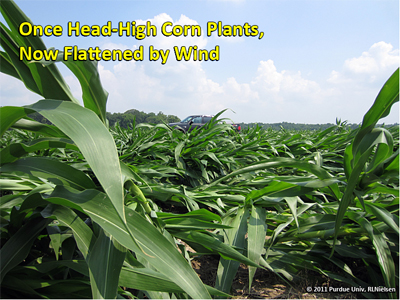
(92, 211)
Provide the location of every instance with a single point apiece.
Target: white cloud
(380, 57)
(14, 93)
(358, 83)
(373, 65)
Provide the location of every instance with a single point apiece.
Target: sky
(316, 62)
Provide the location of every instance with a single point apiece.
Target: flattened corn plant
(91, 211)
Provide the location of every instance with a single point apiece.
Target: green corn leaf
(82, 233)
(16, 284)
(200, 214)
(16, 249)
(55, 239)
(384, 215)
(383, 255)
(105, 262)
(47, 130)
(292, 203)
(234, 236)
(46, 267)
(388, 95)
(224, 249)
(178, 159)
(10, 62)
(14, 151)
(44, 80)
(88, 133)
(16, 185)
(9, 115)
(381, 188)
(257, 229)
(184, 224)
(49, 289)
(158, 251)
(6, 66)
(52, 170)
(149, 280)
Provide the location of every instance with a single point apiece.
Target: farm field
(93, 211)
(277, 190)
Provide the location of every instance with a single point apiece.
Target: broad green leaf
(6, 66)
(50, 289)
(10, 62)
(257, 230)
(16, 150)
(178, 159)
(105, 262)
(50, 169)
(16, 185)
(383, 215)
(48, 80)
(158, 251)
(16, 284)
(47, 130)
(383, 255)
(292, 203)
(279, 189)
(9, 115)
(83, 235)
(234, 236)
(88, 133)
(200, 214)
(388, 95)
(184, 224)
(150, 280)
(45, 267)
(17, 248)
(147, 279)
(55, 239)
(224, 249)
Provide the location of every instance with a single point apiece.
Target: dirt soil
(267, 285)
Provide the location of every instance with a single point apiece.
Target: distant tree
(172, 119)
(125, 119)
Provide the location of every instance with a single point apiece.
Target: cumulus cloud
(372, 65)
(357, 84)
(380, 57)
(13, 92)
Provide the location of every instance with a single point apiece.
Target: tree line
(125, 119)
(299, 126)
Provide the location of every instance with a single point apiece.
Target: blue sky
(317, 61)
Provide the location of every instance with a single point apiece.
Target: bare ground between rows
(267, 285)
